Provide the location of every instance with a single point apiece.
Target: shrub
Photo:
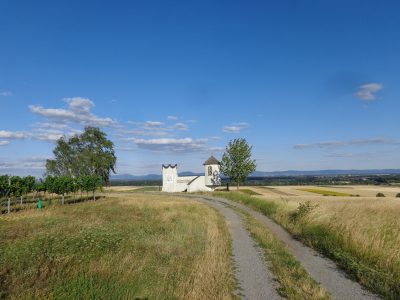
(302, 211)
(380, 195)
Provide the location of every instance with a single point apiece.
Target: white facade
(173, 183)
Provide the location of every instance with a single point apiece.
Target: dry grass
(326, 192)
(361, 233)
(124, 247)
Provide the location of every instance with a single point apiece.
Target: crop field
(362, 234)
(130, 246)
(326, 192)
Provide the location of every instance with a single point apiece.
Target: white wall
(214, 179)
(198, 185)
(169, 179)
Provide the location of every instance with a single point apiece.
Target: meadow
(362, 234)
(130, 246)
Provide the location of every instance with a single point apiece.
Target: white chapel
(174, 183)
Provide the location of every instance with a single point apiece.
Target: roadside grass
(295, 282)
(123, 247)
(326, 192)
(361, 235)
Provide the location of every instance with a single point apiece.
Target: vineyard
(17, 193)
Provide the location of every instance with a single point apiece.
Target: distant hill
(270, 174)
(326, 172)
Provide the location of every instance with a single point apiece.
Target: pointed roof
(211, 161)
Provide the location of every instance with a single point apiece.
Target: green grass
(138, 246)
(295, 282)
(338, 240)
(326, 192)
(146, 189)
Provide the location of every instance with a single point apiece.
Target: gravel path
(255, 280)
(322, 269)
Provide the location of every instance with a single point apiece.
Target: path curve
(322, 269)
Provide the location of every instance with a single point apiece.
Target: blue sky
(310, 84)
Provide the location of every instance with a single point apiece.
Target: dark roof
(211, 161)
(169, 166)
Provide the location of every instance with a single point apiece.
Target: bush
(380, 195)
(398, 195)
(302, 211)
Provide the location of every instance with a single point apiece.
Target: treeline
(21, 187)
(324, 180)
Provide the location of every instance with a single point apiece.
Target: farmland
(362, 234)
(120, 247)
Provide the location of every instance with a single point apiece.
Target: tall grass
(361, 235)
(128, 247)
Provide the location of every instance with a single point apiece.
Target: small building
(207, 183)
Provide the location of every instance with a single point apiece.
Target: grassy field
(122, 247)
(326, 192)
(362, 234)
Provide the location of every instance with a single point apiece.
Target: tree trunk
(94, 197)
(21, 199)
(62, 201)
(237, 186)
(8, 205)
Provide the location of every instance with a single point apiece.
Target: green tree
(236, 161)
(90, 184)
(17, 187)
(90, 153)
(28, 184)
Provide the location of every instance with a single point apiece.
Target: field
(362, 234)
(326, 192)
(131, 246)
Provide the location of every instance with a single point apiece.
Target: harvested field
(361, 233)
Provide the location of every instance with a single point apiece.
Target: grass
(123, 247)
(295, 282)
(249, 192)
(146, 189)
(361, 235)
(326, 192)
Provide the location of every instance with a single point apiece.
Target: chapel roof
(211, 161)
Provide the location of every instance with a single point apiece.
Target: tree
(90, 153)
(28, 184)
(236, 161)
(90, 184)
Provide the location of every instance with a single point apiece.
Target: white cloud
(25, 166)
(6, 94)
(337, 144)
(13, 135)
(78, 111)
(153, 124)
(173, 118)
(181, 126)
(236, 128)
(172, 144)
(367, 92)
(4, 143)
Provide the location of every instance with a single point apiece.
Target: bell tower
(212, 172)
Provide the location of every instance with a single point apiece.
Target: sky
(309, 84)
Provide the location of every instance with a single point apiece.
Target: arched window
(209, 171)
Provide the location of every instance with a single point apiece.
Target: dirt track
(323, 270)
